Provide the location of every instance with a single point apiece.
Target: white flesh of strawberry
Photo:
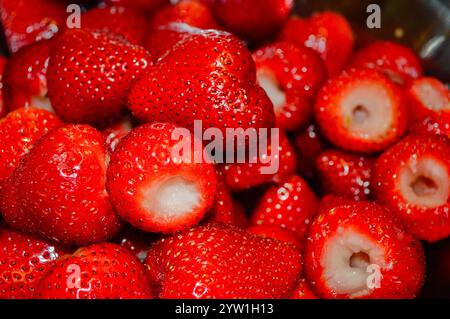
(43, 103)
(270, 84)
(346, 260)
(432, 94)
(425, 182)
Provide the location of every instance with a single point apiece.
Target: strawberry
(328, 33)
(28, 21)
(116, 132)
(3, 110)
(252, 19)
(128, 22)
(23, 262)
(430, 102)
(25, 77)
(156, 188)
(219, 261)
(258, 171)
(303, 291)
(101, 271)
(20, 130)
(413, 178)
(90, 73)
(136, 241)
(396, 61)
(345, 174)
(149, 6)
(360, 250)
(291, 76)
(275, 232)
(362, 111)
(58, 191)
(290, 205)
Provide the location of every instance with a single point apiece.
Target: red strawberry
(190, 12)
(28, 21)
(128, 22)
(90, 73)
(413, 178)
(20, 130)
(115, 133)
(430, 103)
(345, 174)
(153, 187)
(303, 291)
(290, 205)
(58, 191)
(3, 110)
(25, 77)
(102, 271)
(398, 62)
(360, 250)
(361, 111)
(23, 262)
(291, 76)
(219, 261)
(258, 171)
(149, 6)
(328, 33)
(275, 232)
(252, 19)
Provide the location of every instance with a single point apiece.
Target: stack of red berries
(94, 203)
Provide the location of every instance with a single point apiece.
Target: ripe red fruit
(303, 291)
(24, 260)
(28, 21)
(25, 77)
(275, 232)
(290, 205)
(413, 178)
(20, 130)
(102, 271)
(252, 19)
(128, 22)
(345, 174)
(291, 75)
(360, 250)
(58, 191)
(219, 261)
(396, 61)
(90, 73)
(116, 132)
(327, 33)
(152, 187)
(3, 110)
(362, 111)
(149, 6)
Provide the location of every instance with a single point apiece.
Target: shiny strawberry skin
(327, 33)
(403, 269)
(90, 73)
(219, 261)
(142, 160)
(24, 260)
(59, 189)
(398, 62)
(107, 271)
(345, 174)
(303, 291)
(116, 132)
(277, 233)
(289, 205)
(20, 130)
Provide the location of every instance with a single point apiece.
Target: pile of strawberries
(94, 205)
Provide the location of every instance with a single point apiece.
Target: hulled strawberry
(25, 77)
(102, 271)
(275, 232)
(219, 261)
(345, 174)
(303, 291)
(361, 110)
(128, 22)
(59, 189)
(360, 250)
(20, 130)
(291, 75)
(24, 260)
(328, 33)
(252, 19)
(3, 110)
(155, 181)
(413, 178)
(396, 61)
(28, 21)
(290, 205)
(90, 73)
